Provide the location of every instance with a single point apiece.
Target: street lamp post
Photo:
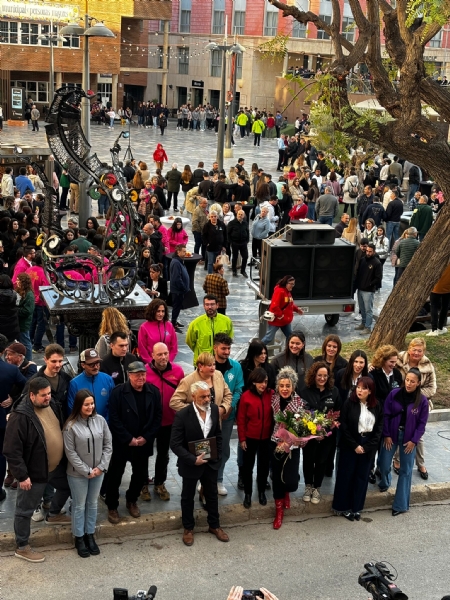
(51, 38)
(95, 30)
(230, 49)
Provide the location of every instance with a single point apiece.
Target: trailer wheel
(331, 319)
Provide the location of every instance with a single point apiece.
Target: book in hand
(207, 446)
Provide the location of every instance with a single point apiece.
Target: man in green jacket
(241, 120)
(406, 249)
(257, 129)
(201, 331)
(422, 218)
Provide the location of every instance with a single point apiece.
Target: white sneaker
(315, 496)
(357, 317)
(442, 331)
(307, 493)
(199, 487)
(221, 489)
(39, 514)
(434, 333)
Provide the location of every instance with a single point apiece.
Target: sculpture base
(14, 123)
(228, 152)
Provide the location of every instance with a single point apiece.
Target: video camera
(377, 580)
(122, 594)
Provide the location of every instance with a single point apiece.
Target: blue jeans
(84, 494)
(24, 338)
(227, 430)
(272, 330)
(60, 337)
(311, 214)
(211, 260)
(413, 187)
(365, 301)
(111, 121)
(39, 325)
(392, 230)
(326, 220)
(103, 204)
(403, 491)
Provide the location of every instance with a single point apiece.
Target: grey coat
(88, 444)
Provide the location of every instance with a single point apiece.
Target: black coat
(268, 368)
(349, 419)
(185, 429)
(340, 363)
(60, 396)
(321, 401)
(238, 232)
(124, 418)
(9, 315)
(214, 236)
(24, 447)
(116, 366)
(383, 387)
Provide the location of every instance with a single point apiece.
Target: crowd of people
(73, 437)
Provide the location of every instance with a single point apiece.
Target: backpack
(352, 189)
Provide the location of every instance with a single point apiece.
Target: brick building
(194, 74)
(114, 73)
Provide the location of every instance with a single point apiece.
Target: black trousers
(209, 484)
(439, 308)
(285, 469)
(352, 480)
(315, 455)
(235, 249)
(242, 130)
(162, 454)
(256, 247)
(352, 207)
(329, 465)
(257, 139)
(139, 466)
(169, 200)
(262, 448)
(280, 158)
(177, 305)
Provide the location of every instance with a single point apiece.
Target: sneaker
(442, 331)
(360, 327)
(145, 494)
(162, 492)
(180, 324)
(434, 333)
(365, 331)
(221, 489)
(39, 514)
(28, 554)
(315, 496)
(38, 350)
(357, 317)
(307, 494)
(59, 519)
(113, 516)
(178, 329)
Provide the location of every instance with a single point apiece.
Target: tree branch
(405, 32)
(336, 30)
(436, 96)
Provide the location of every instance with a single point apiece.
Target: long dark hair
(175, 223)
(418, 392)
(287, 353)
(254, 349)
(150, 311)
(368, 383)
(347, 380)
(80, 397)
(258, 375)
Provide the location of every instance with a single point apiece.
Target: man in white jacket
(7, 183)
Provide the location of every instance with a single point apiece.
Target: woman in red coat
(255, 425)
(159, 156)
(283, 307)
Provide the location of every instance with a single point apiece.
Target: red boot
(287, 500)
(279, 514)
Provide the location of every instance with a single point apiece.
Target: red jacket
(282, 306)
(159, 155)
(255, 416)
(298, 212)
(166, 382)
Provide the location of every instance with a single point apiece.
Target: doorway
(214, 98)
(198, 97)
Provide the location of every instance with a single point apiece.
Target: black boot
(81, 547)
(91, 544)
(241, 479)
(262, 498)
(247, 500)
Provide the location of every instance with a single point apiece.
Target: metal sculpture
(88, 277)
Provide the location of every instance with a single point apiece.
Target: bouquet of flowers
(300, 427)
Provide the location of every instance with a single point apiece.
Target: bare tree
(410, 135)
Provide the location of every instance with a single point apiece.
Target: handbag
(223, 259)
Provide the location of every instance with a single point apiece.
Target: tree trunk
(416, 283)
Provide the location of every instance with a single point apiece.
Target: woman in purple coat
(405, 418)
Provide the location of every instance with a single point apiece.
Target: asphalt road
(316, 559)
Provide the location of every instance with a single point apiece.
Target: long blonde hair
(113, 320)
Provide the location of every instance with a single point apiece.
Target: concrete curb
(232, 514)
(439, 414)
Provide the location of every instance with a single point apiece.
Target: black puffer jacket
(9, 315)
(25, 448)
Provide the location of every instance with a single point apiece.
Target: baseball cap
(89, 356)
(18, 348)
(136, 367)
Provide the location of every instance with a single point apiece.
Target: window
(298, 30)
(37, 90)
(27, 34)
(239, 22)
(239, 61)
(271, 25)
(436, 41)
(216, 63)
(160, 58)
(185, 16)
(183, 61)
(218, 21)
(104, 91)
(161, 26)
(348, 28)
(321, 35)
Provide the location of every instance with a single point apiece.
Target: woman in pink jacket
(177, 235)
(156, 329)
